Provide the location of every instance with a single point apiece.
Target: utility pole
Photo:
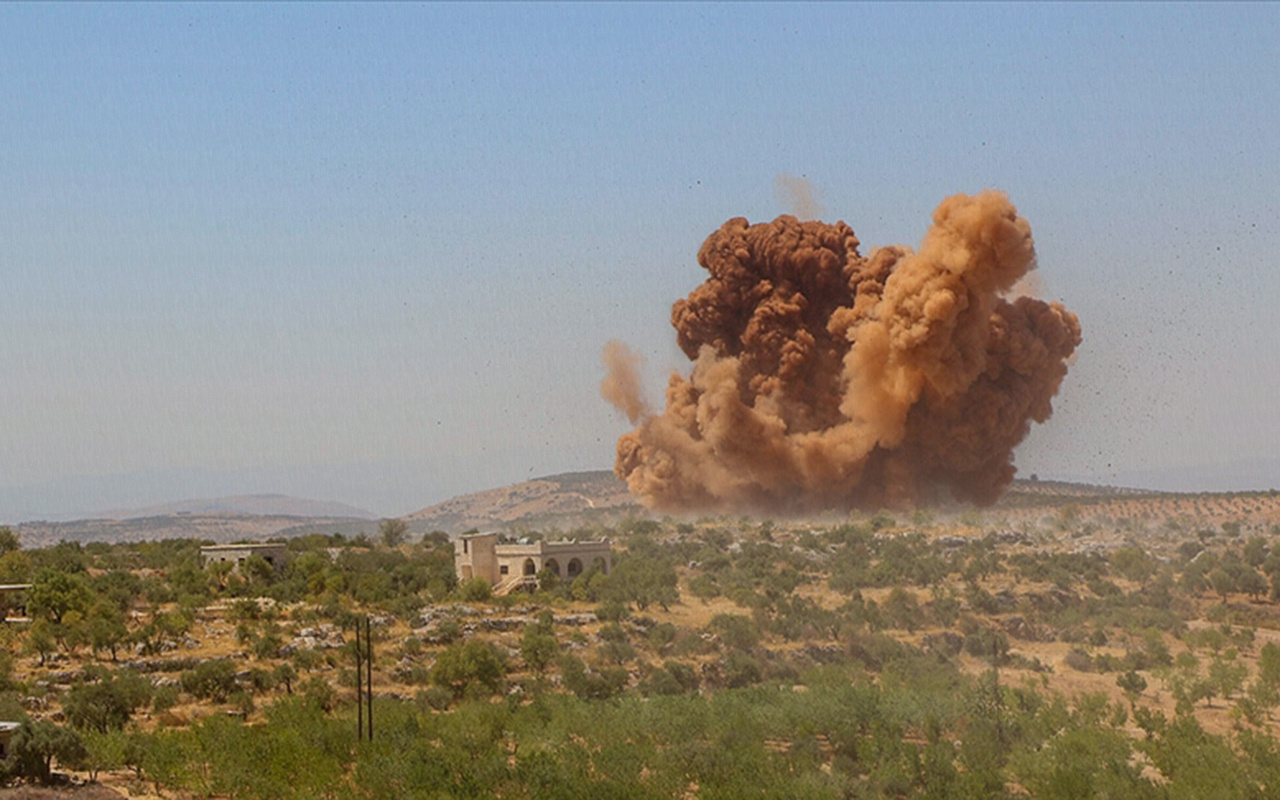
(364, 679)
(359, 686)
(368, 669)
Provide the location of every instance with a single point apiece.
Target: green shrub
(1079, 660)
(661, 636)
(36, 744)
(736, 631)
(685, 674)
(661, 682)
(106, 705)
(436, 698)
(475, 590)
(741, 669)
(987, 643)
(319, 694)
(210, 680)
(612, 611)
(591, 684)
(1131, 683)
(165, 698)
(468, 664)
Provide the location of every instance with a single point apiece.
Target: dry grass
(84, 792)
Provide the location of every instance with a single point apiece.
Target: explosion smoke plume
(823, 379)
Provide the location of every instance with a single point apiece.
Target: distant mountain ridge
(218, 528)
(250, 504)
(220, 519)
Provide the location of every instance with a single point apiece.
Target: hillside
(556, 500)
(1112, 506)
(577, 498)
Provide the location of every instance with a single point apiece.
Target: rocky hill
(562, 501)
(578, 498)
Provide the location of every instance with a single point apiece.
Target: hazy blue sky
(371, 253)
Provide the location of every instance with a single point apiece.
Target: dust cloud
(797, 194)
(823, 379)
(621, 384)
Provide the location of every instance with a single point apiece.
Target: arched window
(553, 565)
(575, 567)
(529, 567)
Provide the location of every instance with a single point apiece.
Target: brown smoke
(798, 195)
(621, 384)
(823, 379)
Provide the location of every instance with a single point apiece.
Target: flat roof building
(7, 730)
(517, 564)
(13, 597)
(274, 553)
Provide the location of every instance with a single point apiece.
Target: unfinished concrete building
(274, 553)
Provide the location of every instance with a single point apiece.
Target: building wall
(7, 729)
(474, 557)
(481, 556)
(571, 559)
(274, 554)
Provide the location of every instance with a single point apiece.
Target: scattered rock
(1019, 628)
(824, 653)
(504, 623)
(576, 620)
(147, 665)
(324, 637)
(1006, 601)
